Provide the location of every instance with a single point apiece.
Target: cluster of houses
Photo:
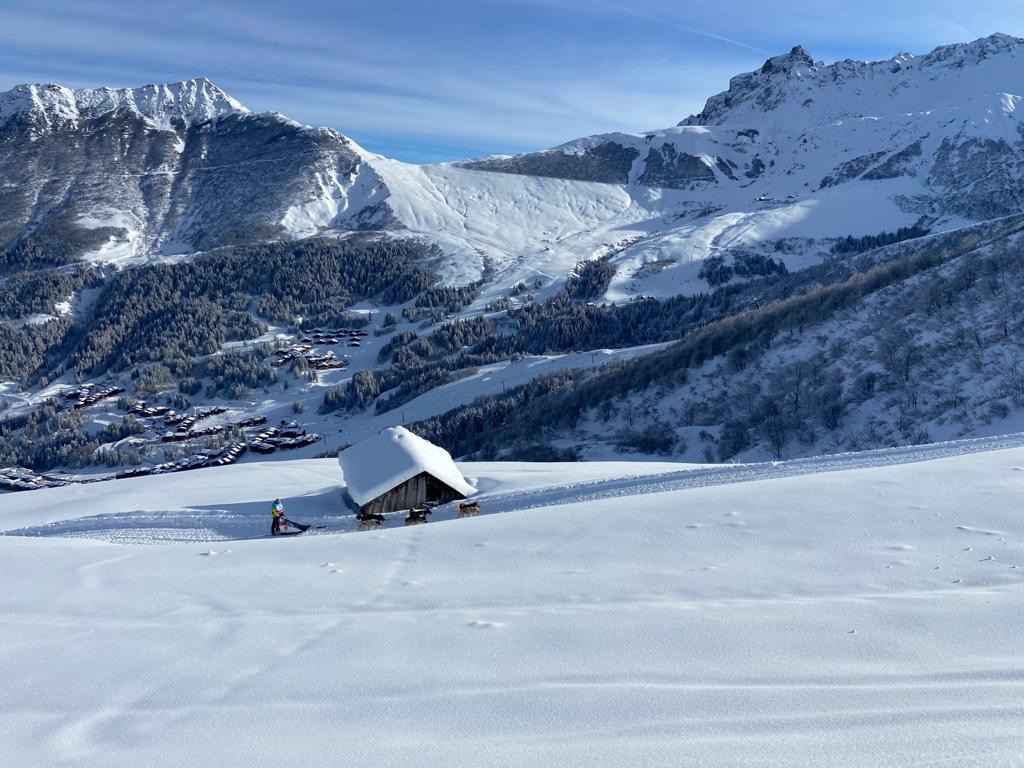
(183, 425)
(270, 440)
(218, 458)
(141, 409)
(21, 479)
(331, 336)
(327, 361)
(192, 434)
(184, 422)
(87, 394)
(284, 437)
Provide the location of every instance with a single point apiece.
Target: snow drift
(867, 617)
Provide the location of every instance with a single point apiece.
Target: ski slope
(531, 227)
(848, 611)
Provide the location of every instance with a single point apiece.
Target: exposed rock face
(608, 162)
(765, 86)
(181, 167)
(897, 164)
(986, 176)
(667, 167)
(851, 169)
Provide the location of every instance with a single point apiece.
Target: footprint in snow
(327, 565)
(213, 552)
(485, 624)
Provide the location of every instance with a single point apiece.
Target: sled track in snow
(637, 485)
(148, 526)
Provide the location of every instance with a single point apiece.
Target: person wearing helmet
(277, 517)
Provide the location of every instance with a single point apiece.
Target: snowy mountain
(795, 152)
(782, 126)
(860, 611)
(803, 150)
(109, 175)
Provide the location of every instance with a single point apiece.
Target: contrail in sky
(691, 30)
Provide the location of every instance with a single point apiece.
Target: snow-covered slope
(933, 352)
(856, 618)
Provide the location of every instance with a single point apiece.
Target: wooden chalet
(397, 470)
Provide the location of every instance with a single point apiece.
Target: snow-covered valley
(197, 242)
(735, 408)
(862, 614)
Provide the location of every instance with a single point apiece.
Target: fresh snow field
(859, 611)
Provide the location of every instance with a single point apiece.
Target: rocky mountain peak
(797, 57)
(50, 106)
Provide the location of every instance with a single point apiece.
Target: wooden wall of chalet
(411, 494)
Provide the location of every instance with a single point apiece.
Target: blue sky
(448, 79)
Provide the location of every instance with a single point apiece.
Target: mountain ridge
(798, 67)
(52, 105)
(791, 136)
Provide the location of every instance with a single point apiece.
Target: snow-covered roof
(376, 465)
